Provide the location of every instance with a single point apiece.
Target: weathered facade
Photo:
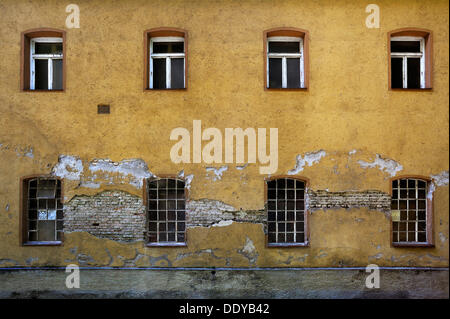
(347, 134)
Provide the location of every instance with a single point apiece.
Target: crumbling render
(136, 169)
(68, 167)
(217, 171)
(309, 158)
(440, 179)
(384, 164)
(207, 213)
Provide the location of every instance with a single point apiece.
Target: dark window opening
(409, 210)
(286, 211)
(44, 210)
(166, 211)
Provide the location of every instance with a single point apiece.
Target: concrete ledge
(225, 283)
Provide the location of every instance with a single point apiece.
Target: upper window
(166, 59)
(286, 59)
(43, 60)
(166, 212)
(286, 217)
(42, 220)
(410, 56)
(411, 212)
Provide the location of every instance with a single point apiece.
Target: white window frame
(406, 55)
(48, 57)
(284, 57)
(167, 56)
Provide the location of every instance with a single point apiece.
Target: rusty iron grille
(45, 210)
(286, 211)
(409, 210)
(166, 211)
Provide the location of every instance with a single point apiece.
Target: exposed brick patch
(115, 215)
(206, 213)
(370, 199)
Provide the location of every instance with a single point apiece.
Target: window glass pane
(293, 73)
(159, 73)
(57, 74)
(397, 73)
(413, 73)
(46, 230)
(284, 47)
(405, 46)
(177, 73)
(48, 48)
(168, 47)
(275, 80)
(41, 74)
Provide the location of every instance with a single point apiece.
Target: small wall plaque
(103, 109)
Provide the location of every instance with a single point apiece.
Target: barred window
(43, 210)
(286, 216)
(166, 211)
(410, 211)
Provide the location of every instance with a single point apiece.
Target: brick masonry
(115, 215)
(371, 199)
(120, 216)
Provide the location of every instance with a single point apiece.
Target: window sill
(287, 89)
(411, 244)
(42, 243)
(287, 245)
(149, 90)
(412, 90)
(166, 244)
(28, 90)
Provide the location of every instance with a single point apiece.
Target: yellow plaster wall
(347, 107)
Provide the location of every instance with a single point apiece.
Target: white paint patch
(89, 184)
(352, 152)
(442, 237)
(249, 247)
(218, 172)
(68, 167)
(431, 190)
(136, 168)
(188, 180)
(384, 164)
(223, 223)
(241, 167)
(441, 179)
(309, 158)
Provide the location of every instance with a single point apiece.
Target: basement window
(43, 215)
(166, 212)
(286, 217)
(411, 212)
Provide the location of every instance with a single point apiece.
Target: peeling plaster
(241, 167)
(440, 179)
(218, 172)
(442, 237)
(309, 158)
(223, 223)
(137, 168)
(68, 167)
(384, 164)
(249, 251)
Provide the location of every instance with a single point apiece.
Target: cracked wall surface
(347, 134)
